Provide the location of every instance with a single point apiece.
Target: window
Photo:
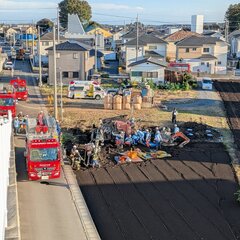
(194, 49)
(58, 55)
(150, 74)
(206, 50)
(75, 74)
(45, 43)
(98, 89)
(136, 74)
(65, 74)
(152, 47)
(202, 63)
(208, 64)
(187, 49)
(75, 55)
(219, 63)
(78, 88)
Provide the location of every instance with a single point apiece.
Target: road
(47, 212)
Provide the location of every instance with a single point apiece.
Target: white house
(147, 69)
(148, 46)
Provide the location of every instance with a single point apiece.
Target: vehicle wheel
(73, 97)
(98, 97)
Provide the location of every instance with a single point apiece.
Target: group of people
(20, 123)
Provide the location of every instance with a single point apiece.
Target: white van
(207, 83)
(85, 89)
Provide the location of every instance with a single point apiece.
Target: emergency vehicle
(20, 86)
(85, 89)
(7, 100)
(43, 150)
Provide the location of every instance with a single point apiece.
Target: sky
(155, 12)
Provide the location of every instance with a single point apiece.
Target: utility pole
(58, 26)
(95, 67)
(226, 29)
(33, 42)
(39, 57)
(55, 73)
(137, 40)
(61, 94)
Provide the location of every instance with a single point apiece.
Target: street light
(39, 58)
(61, 92)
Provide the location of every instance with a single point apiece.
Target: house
(216, 34)
(93, 29)
(10, 32)
(30, 30)
(204, 54)
(173, 38)
(147, 69)
(76, 61)
(148, 46)
(234, 41)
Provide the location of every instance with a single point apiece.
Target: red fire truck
(20, 86)
(43, 151)
(7, 100)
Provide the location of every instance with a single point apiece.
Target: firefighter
(158, 138)
(147, 138)
(74, 154)
(40, 120)
(16, 125)
(176, 129)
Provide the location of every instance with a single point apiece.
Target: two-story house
(204, 54)
(173, 38)
(75, 60)
(148, 46)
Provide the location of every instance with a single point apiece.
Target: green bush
(237, 194)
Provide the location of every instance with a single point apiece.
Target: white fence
(5, 148)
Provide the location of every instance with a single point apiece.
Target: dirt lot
(189, 196)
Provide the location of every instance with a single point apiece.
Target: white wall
(131, 55)
(5, 140)
(161, 49)
(197, 24)
(220, 52)
(148, 67)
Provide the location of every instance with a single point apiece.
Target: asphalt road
(46, 211)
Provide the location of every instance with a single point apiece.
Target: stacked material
(137, 102)
(147, 102)
(127, 102)
(108, 102)
(117, 102)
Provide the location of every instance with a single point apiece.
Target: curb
(81, 206)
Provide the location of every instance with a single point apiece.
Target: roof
(131, 34)
(149, 60)
(49, 37)
(180, 35)
(99, 53)
(235, 33)
(153, 54)
(145, 39)
(194, 41)
(71, 45)
(207, 57)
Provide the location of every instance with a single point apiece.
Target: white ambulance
(85, 89)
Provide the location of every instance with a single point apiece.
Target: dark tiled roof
(132, 34)
(197, 41)
(149, 60)
(145, 39)
(49, 37)
(99, 53)
(207, 57)
(153, 54)
(71, 46)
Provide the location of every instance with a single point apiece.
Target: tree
(233, 16)
(81, 8)
(44, 24)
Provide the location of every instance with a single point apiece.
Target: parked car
(207, 83)
(8, 65)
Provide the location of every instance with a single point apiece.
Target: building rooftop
(145, 39)
(194, 41)
(180, 35)
(71, 45)
(149, 60)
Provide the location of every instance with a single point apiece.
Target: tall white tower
(197, 24)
